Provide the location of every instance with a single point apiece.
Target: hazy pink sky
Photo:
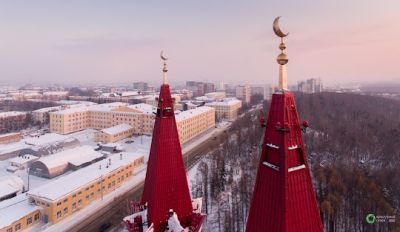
(94, 42)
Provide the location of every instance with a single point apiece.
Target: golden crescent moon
(162, 56)
(276, 28)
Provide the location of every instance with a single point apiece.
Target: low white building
(10, 186)
(22, 162)
(57, 164)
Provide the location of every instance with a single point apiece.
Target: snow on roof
(55, 93)
(129, 93)
(10, 184)
(85, 108)
(117, 129)
(66, 184)
(75, 156)
(107, 106)
(191, 113)
(14, 209)
(45, 139)
(225, 101)
(145, 108)
(9, 134)
(70, 102)
(204, 98)
(11, 113)
(23, 159)
(47, 109)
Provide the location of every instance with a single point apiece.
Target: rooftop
(117, 129)
(14, 209)
(64, 185)
(145, 108)
(10, 184)
(225, 101)
(190, 113)
(23, 159)
(9, 134)
(11, 113)
(75, 156)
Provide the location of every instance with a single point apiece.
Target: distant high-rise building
(243, 92)
(313, 85)
(268, 91)
(142, 86)
(257, 90)
(209, 87)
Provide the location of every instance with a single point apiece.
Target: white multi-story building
(312, 85)
(243, 92)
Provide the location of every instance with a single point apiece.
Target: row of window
(29, 221)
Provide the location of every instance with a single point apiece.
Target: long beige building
(140, 117)
(193, 122)
(227, 109)
(114, 134)
(102, 116)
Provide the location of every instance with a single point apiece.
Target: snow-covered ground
(86, 137)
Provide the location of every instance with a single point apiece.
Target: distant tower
(166, 201)
(283, 197)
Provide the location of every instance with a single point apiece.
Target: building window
(36, 217)
(87, 197)
(18, 227)
(58, 214)
(9, 229)
(79, 202)
(65, 210)
(29, 221)
(58, 203)
(65, 200)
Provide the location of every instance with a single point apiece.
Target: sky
(118, 42)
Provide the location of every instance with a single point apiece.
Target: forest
(353, 152)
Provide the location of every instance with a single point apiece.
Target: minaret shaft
(165, 76)
(283, 77)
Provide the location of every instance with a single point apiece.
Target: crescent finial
(162, 56)
(276, 28)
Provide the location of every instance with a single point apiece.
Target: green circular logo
(370, 218)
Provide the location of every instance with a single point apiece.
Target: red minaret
(166, 201)
(283, 197)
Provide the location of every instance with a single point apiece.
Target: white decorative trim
(296, 168)
(272, 145)
(292, 147)
(276, 168)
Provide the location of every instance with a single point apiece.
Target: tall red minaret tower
(283, 197)
(166, 201)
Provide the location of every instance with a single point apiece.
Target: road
(112, 214)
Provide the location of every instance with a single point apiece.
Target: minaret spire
(165, 68)
(283, 198)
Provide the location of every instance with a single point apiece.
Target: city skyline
(104, 43)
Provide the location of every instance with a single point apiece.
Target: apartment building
(193, 122)
(227, 109)
(243, 92)
(12, 120)
(140, 117)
